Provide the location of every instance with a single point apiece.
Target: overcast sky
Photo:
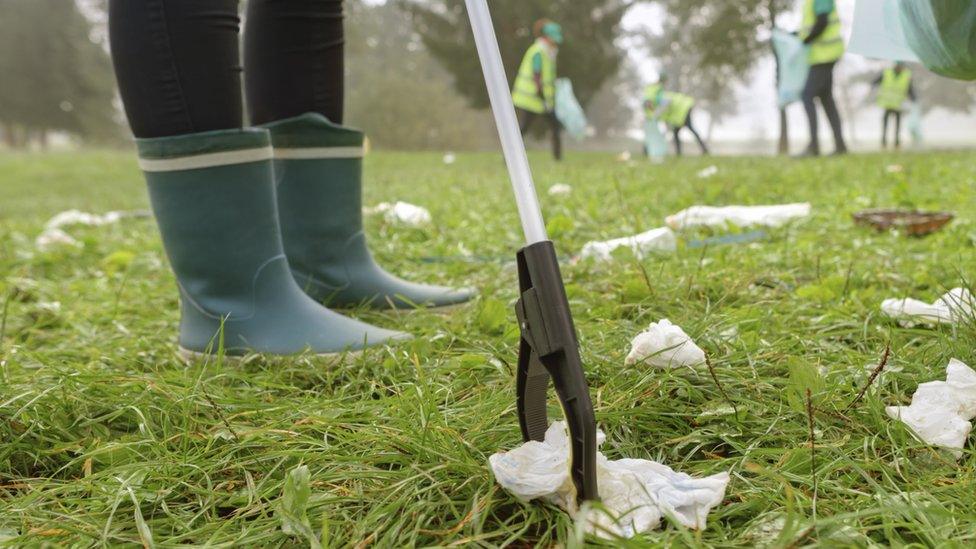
(757, 113)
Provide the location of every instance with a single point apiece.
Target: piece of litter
(662, 239)
(636, 493)
(403, 213)
(560, 189)
(741, 216)
(54, 235)
(710, 171)
(624, 156)
(664, 345)
(450, 158)
(894, 168)
(954, 306)
(941, 411)
(52, 238)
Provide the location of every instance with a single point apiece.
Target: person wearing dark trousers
(894, 87)
(674, 109)
(263, 224)
(822, 33)
(534, 91)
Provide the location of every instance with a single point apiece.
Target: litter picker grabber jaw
(548, 348)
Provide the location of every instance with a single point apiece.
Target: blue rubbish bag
(793, 66)
(943, 35)
(568, 110)
(914, 123)
(655, 144)
(878, 33)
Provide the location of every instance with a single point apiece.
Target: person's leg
(813, 89)
(294, 70)
(525, 119)
(177, 63)
(897, 129)
(211, 186)
(701, 142)
(677, 140)
(830, 109)
(294, 53)
(884, 129)
(557, 141)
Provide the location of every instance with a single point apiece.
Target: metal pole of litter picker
(508, 129)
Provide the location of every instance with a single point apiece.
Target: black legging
(527, 118)
(677, 136)
(179, 71)
(884, 128)
(820, 84)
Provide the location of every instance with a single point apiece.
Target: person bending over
(674, 109)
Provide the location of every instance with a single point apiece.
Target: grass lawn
(107, 439)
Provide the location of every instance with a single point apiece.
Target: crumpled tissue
(664, 345)
(661, 240)
(956, 305)
(54, 235)
(637, 492)
(708, 172)
(742, 216)
(402, 213)
(941, 411)
(560, 189)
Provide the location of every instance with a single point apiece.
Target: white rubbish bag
(793, 66)
(878, 32)
(655, 144)
(568, 110)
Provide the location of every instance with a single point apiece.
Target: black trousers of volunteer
(527, 118)
(820, 85)
(884, 128)
(179, 71)
(677, 136)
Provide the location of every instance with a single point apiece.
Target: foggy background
(405, 56)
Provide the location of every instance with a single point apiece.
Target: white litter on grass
(54, 234)
(664, 345)
(636, 493)
(710, 171)
(894, 168)
(954, 306)
(402, 213)
(560, 189)
(742, 216)
(662, 240)
(450, 158)
(941, 411)
(624, 157)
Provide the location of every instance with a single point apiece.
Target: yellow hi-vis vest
(679, 105)
(525, 93)
(894, 89)
(829, 46)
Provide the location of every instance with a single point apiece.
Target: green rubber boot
(214, 200)
(318, 168)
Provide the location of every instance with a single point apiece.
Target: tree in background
(709, 46)
(56, 77)
(397, 92)
(589, 57)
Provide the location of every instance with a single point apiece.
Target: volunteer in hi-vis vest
(894, 88)
(534, 92)
(674, 109)
(821, 32)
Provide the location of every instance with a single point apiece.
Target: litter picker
(548, 348)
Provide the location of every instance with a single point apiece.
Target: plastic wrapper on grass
(664, 345)
(655, 240)
(560, 189)
(941, 411)
(635, 494)
(402, 213)
(740, 216)
(955, 306)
